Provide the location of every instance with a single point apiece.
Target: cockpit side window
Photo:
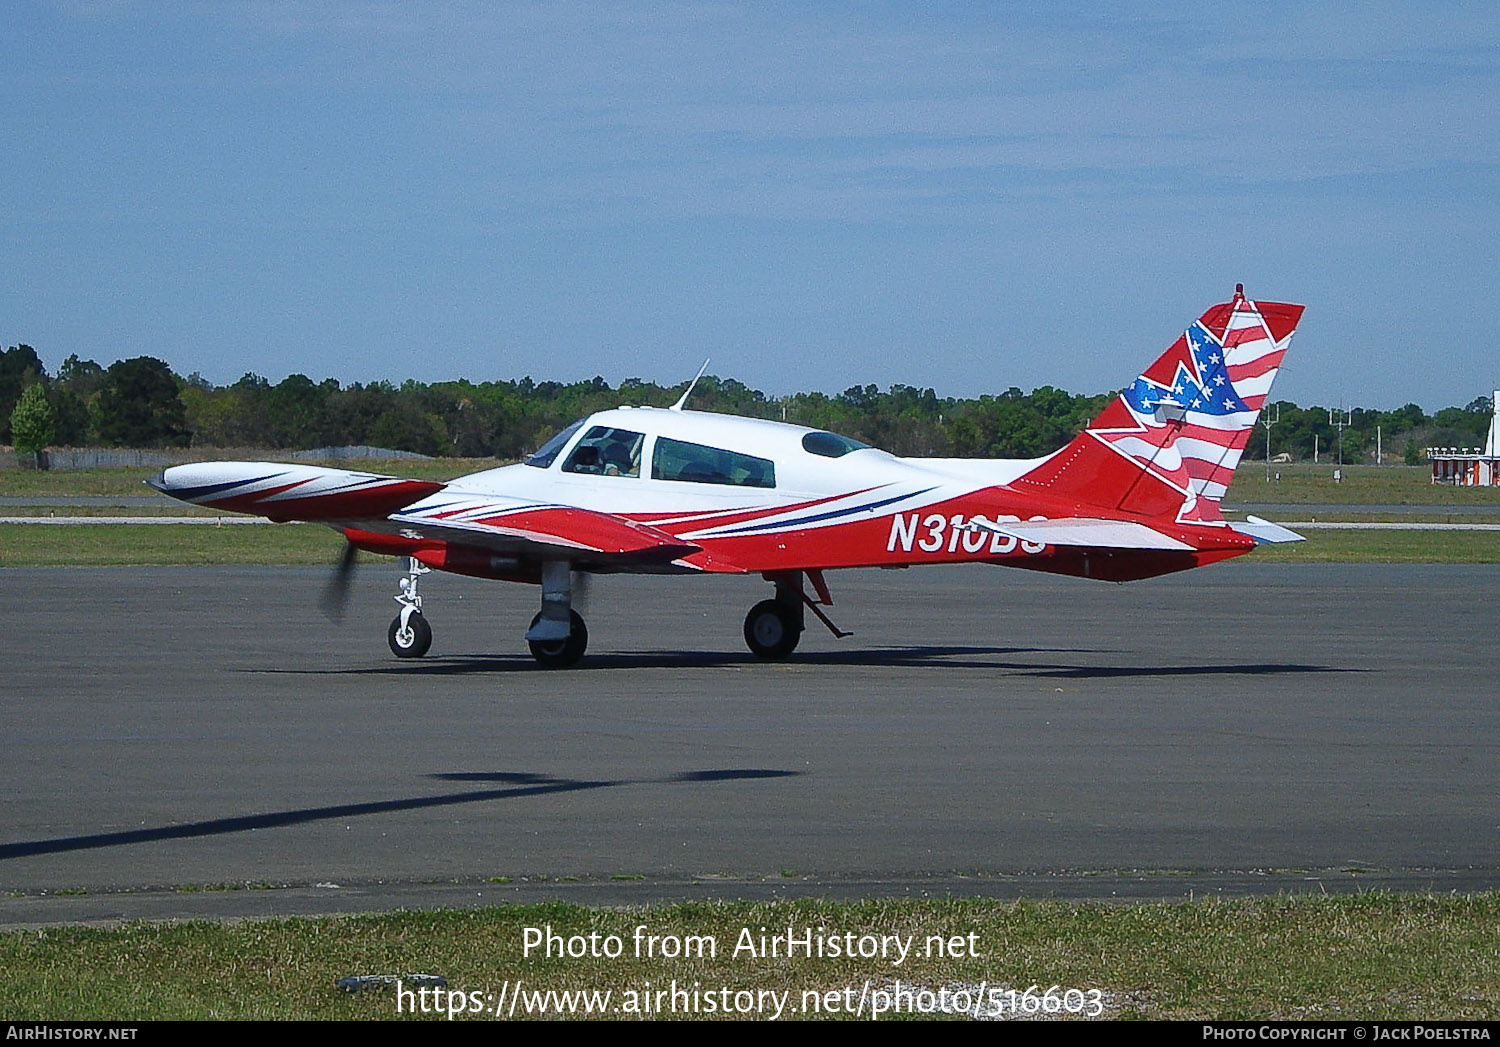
(605, 451)
(696, 463)
(545, 455)
(831, 445)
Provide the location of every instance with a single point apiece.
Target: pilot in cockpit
(616, 458)
(620, 454)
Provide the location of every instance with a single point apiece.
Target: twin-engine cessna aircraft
(664, 491)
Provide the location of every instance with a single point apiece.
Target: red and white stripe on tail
(1167, 447)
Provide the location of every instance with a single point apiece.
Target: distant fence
(123, 457)
(92, 458)
(357, 451)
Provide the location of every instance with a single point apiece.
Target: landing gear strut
(557, 636)
(409, 635)
(773, 627)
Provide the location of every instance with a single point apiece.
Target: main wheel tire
(771, 631)
(411, 642)
(561, 654)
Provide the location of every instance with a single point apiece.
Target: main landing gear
(560, 654)
(557, 636)
(773, 627)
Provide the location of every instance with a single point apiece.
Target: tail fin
(1168, 445)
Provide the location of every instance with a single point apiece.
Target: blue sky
(814, 195)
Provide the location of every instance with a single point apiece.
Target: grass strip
(131, 480)
(1372, 956)
(1332, 546)
(1305, 483)
(112, 545)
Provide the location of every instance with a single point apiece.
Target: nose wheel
(410, 638)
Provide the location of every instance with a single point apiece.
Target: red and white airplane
(666, 490)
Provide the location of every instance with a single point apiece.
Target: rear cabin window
(695, 463)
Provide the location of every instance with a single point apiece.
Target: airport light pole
(1340, 419)
(1268, 420)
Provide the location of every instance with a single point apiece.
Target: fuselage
(763, 496)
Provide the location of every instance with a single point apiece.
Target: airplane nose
(159, 481)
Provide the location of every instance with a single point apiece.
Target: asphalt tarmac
(202, 741)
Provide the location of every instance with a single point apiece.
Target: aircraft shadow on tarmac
(990, 659)
(517, 786)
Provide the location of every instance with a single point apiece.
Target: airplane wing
(281, 491)
(420, 510)
(538, 530)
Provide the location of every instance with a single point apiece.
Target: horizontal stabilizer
(1084, 532)
(1265, 532)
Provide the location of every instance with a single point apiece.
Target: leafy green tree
(298, 413)
(84, 377)
(1463, 426)
(1404, 418)
(1013, 424)
(19, 367)
(31, 423)
(77, 383)
(139, 406)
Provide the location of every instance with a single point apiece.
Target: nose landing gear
(409, 635)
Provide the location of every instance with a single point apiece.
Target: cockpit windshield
(548, 452)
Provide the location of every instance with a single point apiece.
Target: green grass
(1363, 485)
(176, 509)
(1358, 514)
(62, 482)
(87, 545)
(126, 480)
(1299, 957)
(1383, 547)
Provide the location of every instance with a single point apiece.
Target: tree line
(140, 402)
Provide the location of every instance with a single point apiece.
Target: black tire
(561, 654)
(414, 642)
(771, 631)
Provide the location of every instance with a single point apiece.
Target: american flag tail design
(1166, 448)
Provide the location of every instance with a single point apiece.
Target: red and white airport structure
(1470, 466)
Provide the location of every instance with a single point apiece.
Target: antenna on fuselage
(683, 399)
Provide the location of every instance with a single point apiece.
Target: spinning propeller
(336, 591)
